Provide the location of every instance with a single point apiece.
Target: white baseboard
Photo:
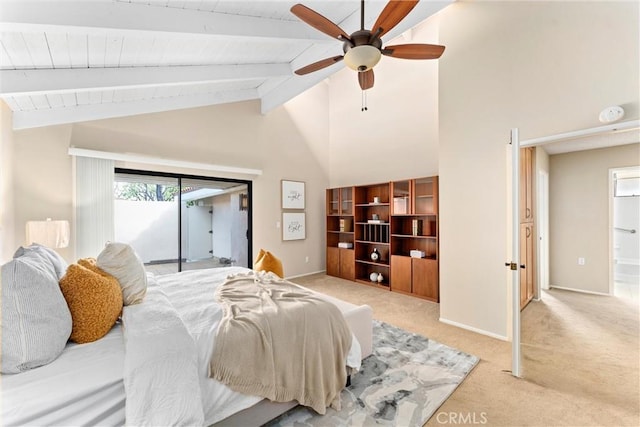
(304, 274)
(580, 290)
(472, 329)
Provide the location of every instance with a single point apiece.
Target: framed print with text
(292, 194)
(293, 226)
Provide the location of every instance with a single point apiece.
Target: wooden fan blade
(319, 22)
(391, 15)
(323, 63)
(366, 79)
(414, 51)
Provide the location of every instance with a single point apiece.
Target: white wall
(579, 215)
(545, 67)
(197, 222)
(150, 227)
(7, 208)
(234, 134)
(397, 138)
(221, 222)
(42, 179)
(531, 65)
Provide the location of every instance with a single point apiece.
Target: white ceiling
(69, 61)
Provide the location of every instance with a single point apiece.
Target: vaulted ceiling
(69, 61)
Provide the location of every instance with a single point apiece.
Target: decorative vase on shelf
(380, 277)
(375, 255)
(374, 277)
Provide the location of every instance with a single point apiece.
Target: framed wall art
(292, 194)
(293, 226)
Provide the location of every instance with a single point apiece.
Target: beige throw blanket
(279, 341)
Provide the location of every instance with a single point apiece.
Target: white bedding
(191, 295)
(81, 387)
(86, 386)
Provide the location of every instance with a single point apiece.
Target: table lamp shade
(53, 234)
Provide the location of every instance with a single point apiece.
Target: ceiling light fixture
(362, 58)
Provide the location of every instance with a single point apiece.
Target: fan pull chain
(364, 101)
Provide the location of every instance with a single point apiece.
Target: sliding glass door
(179, 222)
(214, 224)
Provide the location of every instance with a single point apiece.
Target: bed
(90, 384)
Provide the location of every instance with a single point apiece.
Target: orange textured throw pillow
(95, 302)
(266, 261)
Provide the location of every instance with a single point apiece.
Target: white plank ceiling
(68, 61)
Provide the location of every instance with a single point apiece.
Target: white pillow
(59, 264)
(122, 262)
(36, 322)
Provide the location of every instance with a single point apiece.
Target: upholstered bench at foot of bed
(360, 321)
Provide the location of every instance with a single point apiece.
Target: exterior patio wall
(150, 227)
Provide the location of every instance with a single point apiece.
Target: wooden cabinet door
(333, 201)
(530, 263)
(346, 201)
(348, 264)
(341, 263)
(526, 184)
(400, 273)
(333, 261)
(425, 278)
(526, 259)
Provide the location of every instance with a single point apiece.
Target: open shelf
(407, 212)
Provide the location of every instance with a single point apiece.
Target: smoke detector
(611, 114)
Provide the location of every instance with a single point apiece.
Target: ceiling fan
(363, 48)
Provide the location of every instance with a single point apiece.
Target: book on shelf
(416, 227)
(375, 221)
(345, 224)
(345, 245)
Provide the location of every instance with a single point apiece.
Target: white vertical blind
(94, 205)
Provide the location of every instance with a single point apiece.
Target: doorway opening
(183, 222)
(624, 202)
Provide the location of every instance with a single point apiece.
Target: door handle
(513, 265)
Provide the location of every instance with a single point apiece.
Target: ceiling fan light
(362, 58)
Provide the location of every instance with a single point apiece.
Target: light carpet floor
(581, 357)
